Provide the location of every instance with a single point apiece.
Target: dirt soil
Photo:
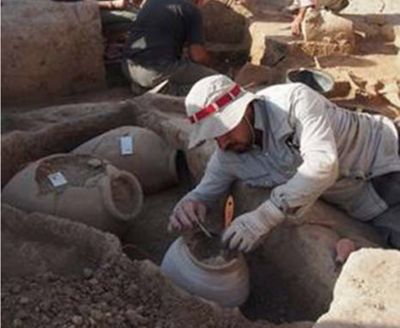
(126, 294)
(209, 250)
(115, 296)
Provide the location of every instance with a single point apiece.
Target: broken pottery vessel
(151, 159)
(79, 187)
(215, 277)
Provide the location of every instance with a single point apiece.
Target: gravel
(123, 294)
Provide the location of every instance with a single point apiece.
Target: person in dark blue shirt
(154, 50)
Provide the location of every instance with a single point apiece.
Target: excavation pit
(291, 276)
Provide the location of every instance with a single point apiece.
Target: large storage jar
(226, 283)
(149, 158)
(84, 189)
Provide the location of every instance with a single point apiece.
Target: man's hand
(120, 4)
(248, 230)
(113, 4)
(296, 26)
(199, 54)
(186, 214)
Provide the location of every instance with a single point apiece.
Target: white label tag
(126, 144)
(57, 179)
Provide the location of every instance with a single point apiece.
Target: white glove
(186, 213)
(248, 230)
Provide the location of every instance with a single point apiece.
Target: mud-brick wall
(49, 49)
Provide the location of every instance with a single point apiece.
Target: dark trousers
(181, 75)
(388, 188)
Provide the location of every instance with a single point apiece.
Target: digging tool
(229, 211)
(204, 229)
(228, 216)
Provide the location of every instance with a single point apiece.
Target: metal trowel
(228, 216)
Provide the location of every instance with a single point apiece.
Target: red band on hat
(215, 106)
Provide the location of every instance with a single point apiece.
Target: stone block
(322, 24)
(367, 293)
(224, 23)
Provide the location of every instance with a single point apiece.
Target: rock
(93, 281)
(17, 323)
(322, 24)
(24, 300)
(367, 293)
(72, 61)
(87, 273)
(132, 290)
(103, 197)
(16, 289)
(77, 320)
(96, 315)
(135, 318)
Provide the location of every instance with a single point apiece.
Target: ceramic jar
(226, 283)
(151, 159)
(84, 189)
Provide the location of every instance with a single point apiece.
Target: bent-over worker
(154, 49)
(292, 139)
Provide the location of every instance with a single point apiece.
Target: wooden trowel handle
(229, 210)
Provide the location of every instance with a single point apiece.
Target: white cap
(215, 105)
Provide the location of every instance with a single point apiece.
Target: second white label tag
(57, 179)
(126, 145)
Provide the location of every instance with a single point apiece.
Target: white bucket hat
(215, 105)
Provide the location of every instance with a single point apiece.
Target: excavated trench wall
(69, 60)
(50, 49)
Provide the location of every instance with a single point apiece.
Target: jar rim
(225, 265)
